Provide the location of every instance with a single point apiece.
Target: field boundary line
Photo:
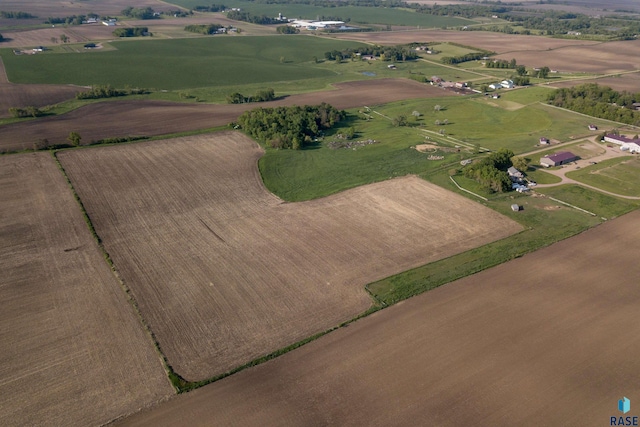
(171, 375)
(4, 77)
(470, 192)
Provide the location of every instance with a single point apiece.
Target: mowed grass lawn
(479, 120)
(618, 176)
(180, 64)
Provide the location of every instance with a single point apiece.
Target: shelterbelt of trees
(289, 127)
(598, 101)
(491, 171)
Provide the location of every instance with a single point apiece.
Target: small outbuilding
(515, 207)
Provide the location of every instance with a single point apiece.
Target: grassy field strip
(470, 192)
(617, 124)
(457, 141)
(439, 64)
(571, 206)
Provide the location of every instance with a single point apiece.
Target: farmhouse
(515, 173)
(495, 86)
(558, 159)
(507, 84)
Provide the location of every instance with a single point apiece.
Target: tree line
(240, 15)
(491, 171)
(132, 32)
(385, 53)
(139, 13)
(289, 127)
(26, 112)
(16, 15)
(260, 96)
(212, 8)
(205, 29)
(106, 91)
(598, 101)
(71, 20)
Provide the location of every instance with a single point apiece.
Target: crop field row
(226, 272)
(72, 350)
(544, 327)
(146, 118)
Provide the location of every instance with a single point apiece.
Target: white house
(495, 86)
(507, 84)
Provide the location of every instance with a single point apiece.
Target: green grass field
(180, 64)
(319, 171)
(599, 203)
(479, 120)
(354, 14)
(618, 176)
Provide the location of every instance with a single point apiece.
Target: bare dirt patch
(629, 82)
(72, 351)
(426, 148)
(226, 272)
(545, 328)
(137, 118)
(600, 58)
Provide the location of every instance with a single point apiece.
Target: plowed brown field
(225, 272)
(18, 95)
(72, 350)
(132, 118)
(550, 339)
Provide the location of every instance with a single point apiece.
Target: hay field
(629, 82)
(551, 339)
(135, 118)
(72, 351)
(226, 272)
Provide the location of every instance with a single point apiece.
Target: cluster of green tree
(26, 112)
(289, 127)
(70, 20)
(16, 15)
(203, 28)
(541, 73)
(287, 29)
(139, 13)
(212, 8)
(132, 32)
(598, 101)
(385, 53)
(459, 10)
(178, 13)
(519, 80)
(502, 63)
(472, 56)
(260, 96)
(491, 171)
(239, 15)
(98, 92)
(117, 140)
(557, 22)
